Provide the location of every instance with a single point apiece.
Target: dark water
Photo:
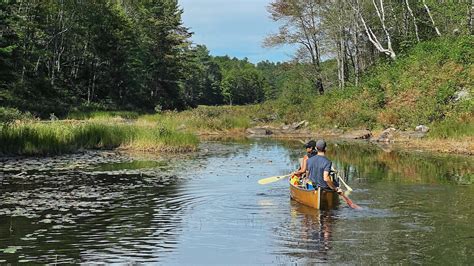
(207, 208)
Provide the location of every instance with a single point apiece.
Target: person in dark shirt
(319, 168)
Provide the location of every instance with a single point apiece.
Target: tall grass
(100, 115)
(204, 118)
(62, 137)
(453, 128)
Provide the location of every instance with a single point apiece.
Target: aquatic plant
(60, 137)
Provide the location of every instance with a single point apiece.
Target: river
(207, 208)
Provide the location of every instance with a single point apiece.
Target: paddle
(341, 179)
(349, 202)
(272, 179)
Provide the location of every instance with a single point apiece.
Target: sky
(233, 27)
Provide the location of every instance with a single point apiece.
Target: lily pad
(11, 250)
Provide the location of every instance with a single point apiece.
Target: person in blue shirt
(319, 168)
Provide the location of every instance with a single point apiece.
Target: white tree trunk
(414, 20)
(381, 15)
(431, 17)
(370, 34)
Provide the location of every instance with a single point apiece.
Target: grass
(39, 138)
(101, 115)
(453, 128)
(204, 119)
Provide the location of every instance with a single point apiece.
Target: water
(207, 207)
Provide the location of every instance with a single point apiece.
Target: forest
(59, 57)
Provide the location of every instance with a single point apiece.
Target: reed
(40, 138)
(101, 115)
(455, 128)
(204, 118)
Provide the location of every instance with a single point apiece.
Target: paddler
(310, 152)
(319, 167)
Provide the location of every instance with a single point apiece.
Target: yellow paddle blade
(272, 179)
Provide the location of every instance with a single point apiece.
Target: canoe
(318, 199)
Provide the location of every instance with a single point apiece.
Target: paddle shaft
(349, 202)
(344, 183)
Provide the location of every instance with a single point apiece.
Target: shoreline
(152, 140)
(463, 146)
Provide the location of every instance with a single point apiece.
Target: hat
(321, 145)
(310, 144)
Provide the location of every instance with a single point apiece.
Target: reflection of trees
(310, 233)
(362, 160)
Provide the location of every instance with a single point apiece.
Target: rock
(53, 117)
(259, 131)
(298, 125)
(422, 128)
(387, 135)
(404, 135)
(462, 95)
(358, 134)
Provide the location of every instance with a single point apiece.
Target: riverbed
(207, 207)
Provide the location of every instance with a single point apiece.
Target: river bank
(396, 140)
(179, 132)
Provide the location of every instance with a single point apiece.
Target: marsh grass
(453, 128)
(203, 118)
(101, 115)
(63, 137)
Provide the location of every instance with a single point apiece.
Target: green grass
(100, 115)
(204, 118)
(61, 137)
(452, 128)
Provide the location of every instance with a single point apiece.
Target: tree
(203, 78)
(301, 25)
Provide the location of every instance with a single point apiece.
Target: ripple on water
(210, 209)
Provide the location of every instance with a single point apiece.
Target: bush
(9, 115)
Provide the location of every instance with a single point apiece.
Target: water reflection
(207, 208)
(311, 231)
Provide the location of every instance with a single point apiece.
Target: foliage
(121, 55)
(204, 118)
(9, 115)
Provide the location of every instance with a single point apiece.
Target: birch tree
(414, 20)
(431, 18)
(301, 25)
(380, 12)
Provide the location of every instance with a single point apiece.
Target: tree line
(57, 56)
(134, 55)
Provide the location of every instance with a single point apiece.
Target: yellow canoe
(318, 199)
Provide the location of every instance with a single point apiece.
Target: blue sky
(233, 27)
